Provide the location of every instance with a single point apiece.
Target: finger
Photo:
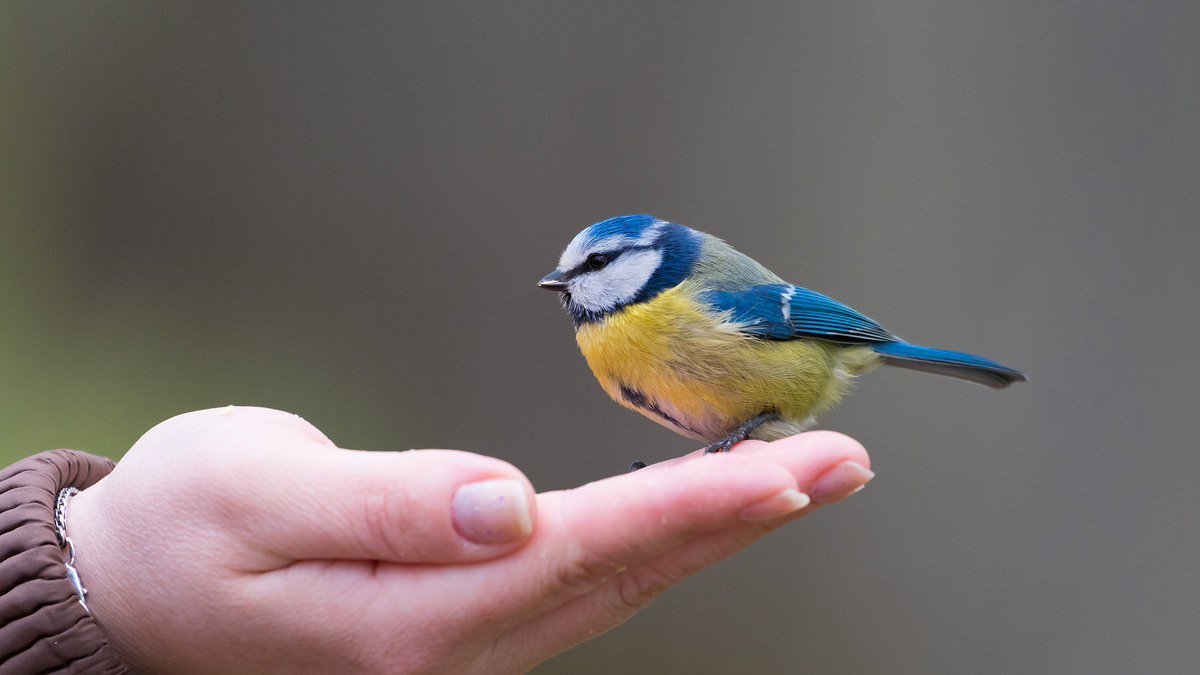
(602, 528)
(809, 458)
(275, 480)
(840, 464)
(631, 521)
(843, 462)
(809, 441)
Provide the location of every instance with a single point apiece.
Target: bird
(681, 327)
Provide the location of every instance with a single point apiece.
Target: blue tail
(946, 362)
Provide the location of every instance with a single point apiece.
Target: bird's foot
(739, 434)
(637, 464)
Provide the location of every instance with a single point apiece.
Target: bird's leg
(739, 434)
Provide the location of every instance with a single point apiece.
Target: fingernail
(840, 482)
(777, 505)
(492, 511)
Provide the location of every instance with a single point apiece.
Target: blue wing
(785, 312)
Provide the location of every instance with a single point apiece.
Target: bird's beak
(555, 281)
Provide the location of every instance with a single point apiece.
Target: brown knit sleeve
(43, 627)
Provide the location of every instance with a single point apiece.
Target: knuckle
(638, 586)
(584, 571)
(385, 530)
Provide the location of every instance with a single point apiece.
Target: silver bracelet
(60, 526)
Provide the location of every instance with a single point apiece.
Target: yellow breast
(691, 369)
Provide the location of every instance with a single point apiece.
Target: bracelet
(60, 528)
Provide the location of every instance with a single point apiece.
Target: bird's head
(619, 262)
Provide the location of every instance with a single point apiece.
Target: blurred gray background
(341, 210)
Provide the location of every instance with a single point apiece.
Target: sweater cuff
(43, 626)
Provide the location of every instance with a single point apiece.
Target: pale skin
(243, 540)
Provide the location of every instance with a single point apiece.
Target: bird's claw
(741, 433)
(722, 445)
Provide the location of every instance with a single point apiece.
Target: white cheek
(616, 284)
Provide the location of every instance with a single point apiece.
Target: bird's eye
(597, 261)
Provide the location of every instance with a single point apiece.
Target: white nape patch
(616, 284)
(651, 232)
(786, 301)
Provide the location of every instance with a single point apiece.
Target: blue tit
(700, 338)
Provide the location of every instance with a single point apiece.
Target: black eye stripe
(584, 267)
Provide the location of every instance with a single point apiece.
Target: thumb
(275, 482)
(417, 506)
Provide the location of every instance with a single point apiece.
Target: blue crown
(630, 226)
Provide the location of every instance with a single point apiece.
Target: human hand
(242, 540)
